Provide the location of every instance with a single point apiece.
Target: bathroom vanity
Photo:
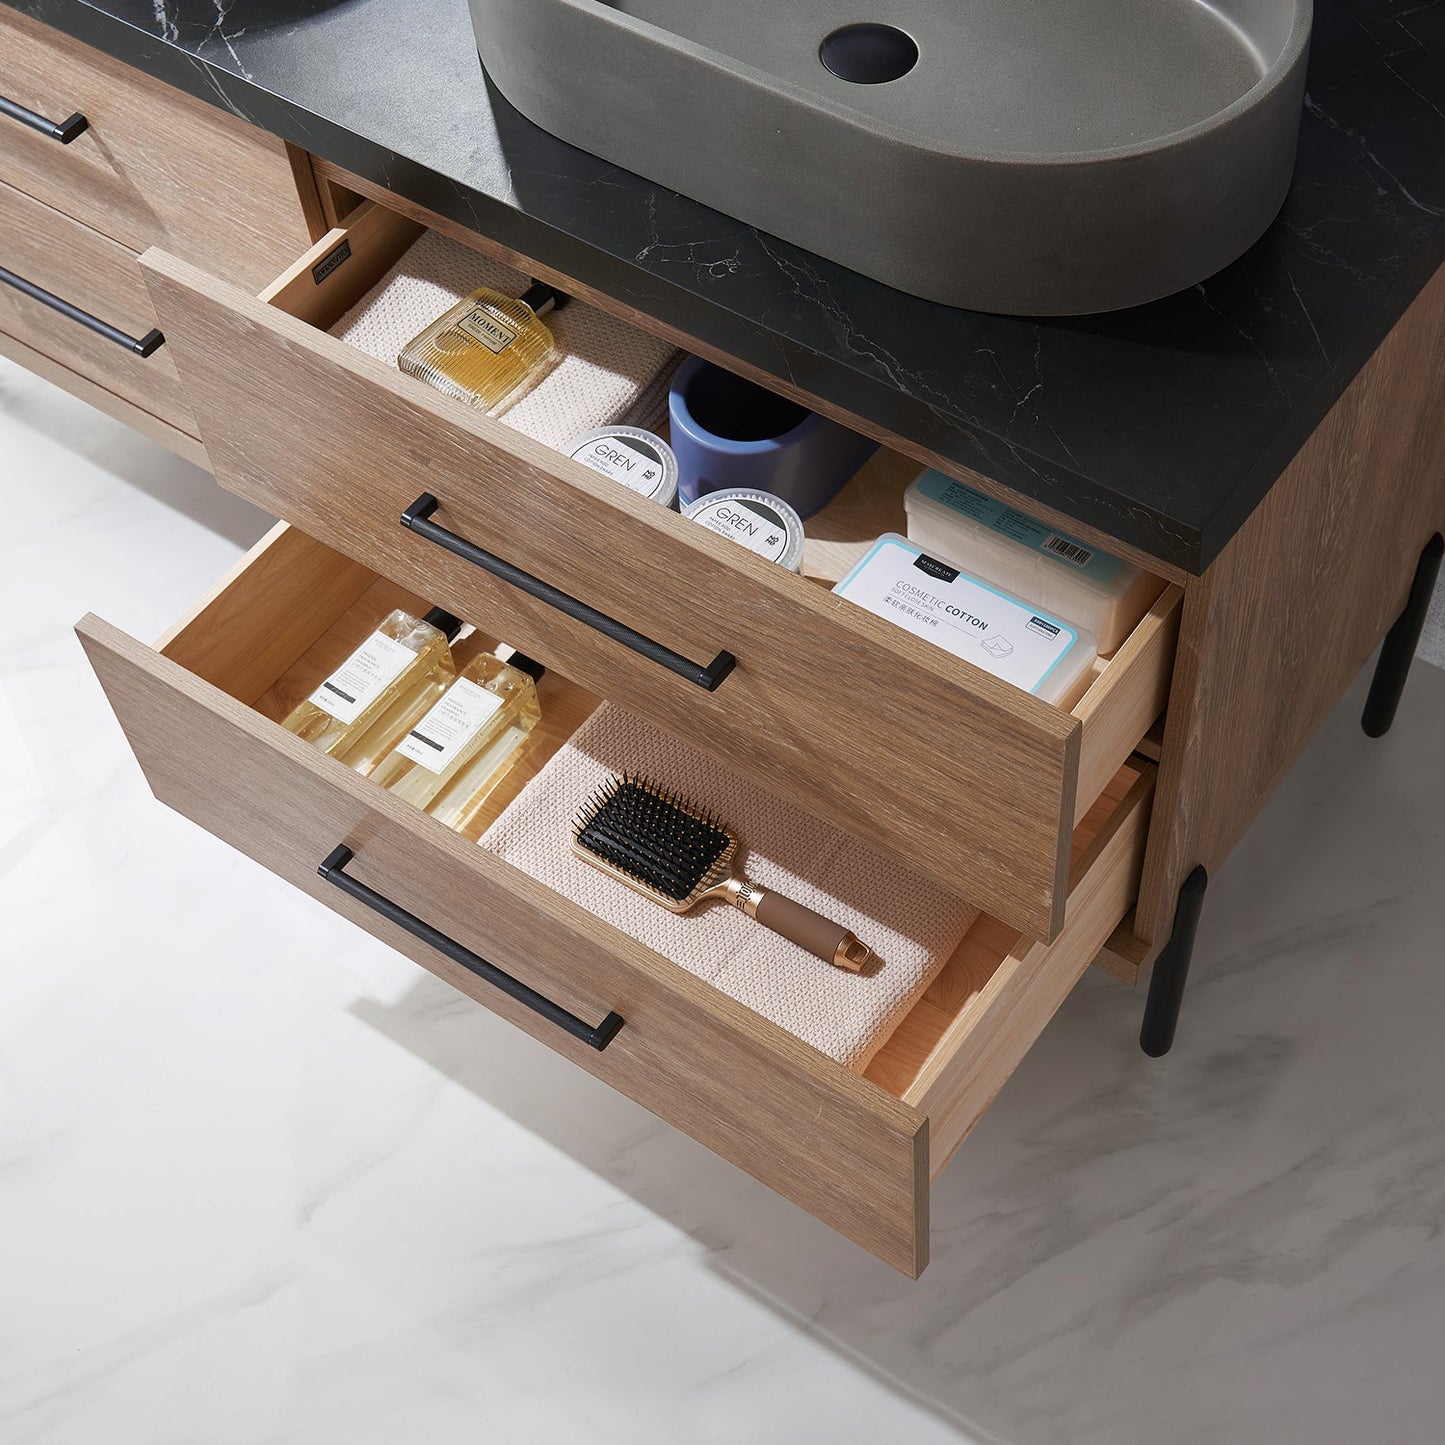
(1270, 446)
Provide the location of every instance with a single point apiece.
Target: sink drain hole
(868, 54)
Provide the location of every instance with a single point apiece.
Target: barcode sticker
(1069, 551)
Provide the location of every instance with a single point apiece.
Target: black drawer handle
(418, 518)
(64, 131)
(141, 345)
(597, 1038)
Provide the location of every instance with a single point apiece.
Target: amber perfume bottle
(487, 349)
(359, 713)
(461, 748)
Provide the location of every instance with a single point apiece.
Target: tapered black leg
(1171, 969)
(1398, 650)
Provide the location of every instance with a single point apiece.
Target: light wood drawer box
(971, 780)
(153, 166)
(858, 1153)
(101, 277)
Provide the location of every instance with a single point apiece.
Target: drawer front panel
(101, 277)
(836, 1144)
(152, 165)
(970, 780)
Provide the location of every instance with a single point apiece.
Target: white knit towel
(605, 371)
(912, 925)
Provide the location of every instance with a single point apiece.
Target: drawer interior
(837, 537)
(875, 730)
(291, 611)
(1117, 701)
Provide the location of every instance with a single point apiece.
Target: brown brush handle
(820, 936)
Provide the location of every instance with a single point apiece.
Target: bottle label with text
(943, 604)
(453, 721)
(363, 677)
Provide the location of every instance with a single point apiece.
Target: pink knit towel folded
(606, 371)
(912, 925)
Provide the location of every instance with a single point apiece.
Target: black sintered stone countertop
(1163, 426)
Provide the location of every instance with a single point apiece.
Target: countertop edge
(1190, 546)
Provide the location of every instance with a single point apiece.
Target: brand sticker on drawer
(936, 601)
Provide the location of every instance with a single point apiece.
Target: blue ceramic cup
(728, 432)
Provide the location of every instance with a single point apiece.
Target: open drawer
(971, 780)
(857, 1152)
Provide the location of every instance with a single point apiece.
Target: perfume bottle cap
(444, 622)
(529, 665)
(543, 298)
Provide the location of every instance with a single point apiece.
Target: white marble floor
(262, 1180)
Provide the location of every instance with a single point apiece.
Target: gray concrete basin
(1037, 157)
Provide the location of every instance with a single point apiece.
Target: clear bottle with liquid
(460, 750)
(359, 713)
(486, 349)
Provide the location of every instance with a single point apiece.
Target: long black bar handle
(417, 517)
(598, 1037)
(64, 131)
(140, 345)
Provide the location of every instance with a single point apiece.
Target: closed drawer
(857, 1152)
(971, 780)
(152, 166)
(102, 278)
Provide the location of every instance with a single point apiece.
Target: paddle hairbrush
(677, 854)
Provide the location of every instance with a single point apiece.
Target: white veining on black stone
(1163, 426)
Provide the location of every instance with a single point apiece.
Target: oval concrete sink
(1040, 157)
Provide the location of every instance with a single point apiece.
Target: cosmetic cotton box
(1014, 551)
(1012, 638)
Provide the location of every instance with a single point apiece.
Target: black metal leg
(1398, 650)
(1171, 969)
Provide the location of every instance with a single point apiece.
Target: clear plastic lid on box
(1054, 571)
(759, 521)
(1005, 635)
(638, 459)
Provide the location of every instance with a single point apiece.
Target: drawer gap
(204, 718)
(928, 1033)
(294, 609)
(823, 693)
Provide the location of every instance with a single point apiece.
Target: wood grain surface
(89, 391)
(98, 275)
(155, 166)
(1278, 628)
(834, 1143)
(968, 1033)
(968, 778)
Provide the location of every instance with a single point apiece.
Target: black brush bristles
(653, 836)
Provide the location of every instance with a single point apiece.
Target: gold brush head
(675, 853)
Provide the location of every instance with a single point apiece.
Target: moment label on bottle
(938, 602)
(483, 324)
(454, 720)
(363, 677)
